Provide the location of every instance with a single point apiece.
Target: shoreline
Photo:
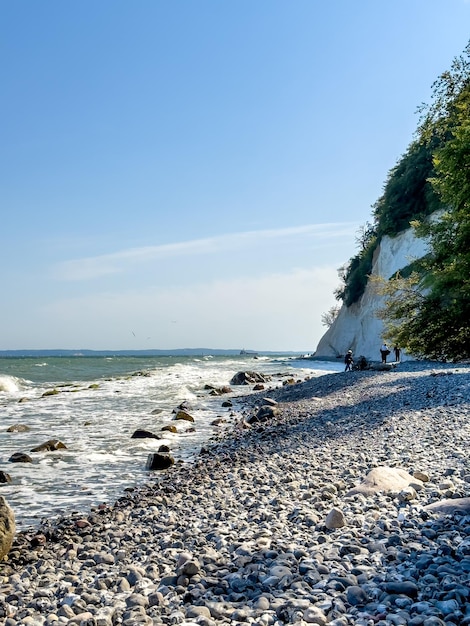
(240, 535)
(113, 399)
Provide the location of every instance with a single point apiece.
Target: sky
(192, 174)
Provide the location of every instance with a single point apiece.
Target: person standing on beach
(348, 359)
(396, 349)
(384, 351)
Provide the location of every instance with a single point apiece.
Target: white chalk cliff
(357, 327)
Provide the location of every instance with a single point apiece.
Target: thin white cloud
(279, 311)
(94, 267)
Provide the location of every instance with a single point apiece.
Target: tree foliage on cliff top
(428, 313)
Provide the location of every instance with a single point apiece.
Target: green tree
(429, 312)
(408, 193)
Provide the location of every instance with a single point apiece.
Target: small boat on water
(248, 353)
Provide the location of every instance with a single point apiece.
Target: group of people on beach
(384, 352)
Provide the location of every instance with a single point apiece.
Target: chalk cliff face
(357, 327)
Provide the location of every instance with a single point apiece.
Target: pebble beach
(273, 523)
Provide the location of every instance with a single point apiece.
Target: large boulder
(50, 392)
(249, 378)
(219, 391)
(159, 461)
(263, 414)
(18, 428)
(20, 457)
(50, 446)
(4, 477)
(450, 506)
(386, 479)
(140, 433)
(170, 428)
(7, 527)
(184, 415)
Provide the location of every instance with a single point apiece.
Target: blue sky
(193, 173)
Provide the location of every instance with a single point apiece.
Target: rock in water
(18, 428)
(50, 446)
(183, 415)
(249, 378)
(158, 461)
(144, 434)
(4, 477)
(20, 457)
(7, 527)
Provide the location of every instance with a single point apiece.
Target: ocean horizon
(147, 352)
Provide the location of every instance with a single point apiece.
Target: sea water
(93, 405)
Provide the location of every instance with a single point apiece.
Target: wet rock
(170, 428)
(20, 457)
(249, 378)
(50, 392)
(18, 428)
(159, 461)
(144, 434)
(183, 415)
(4, 477)
(50, 445)
(7, 527)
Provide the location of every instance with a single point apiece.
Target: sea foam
(9, 384)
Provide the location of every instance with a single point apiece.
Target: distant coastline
(173, 352)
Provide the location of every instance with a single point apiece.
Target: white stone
(314, 615)
(386, 479)
(407, 494)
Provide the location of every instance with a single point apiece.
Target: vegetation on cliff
(427, 309)
(428, 313)
(408, 195)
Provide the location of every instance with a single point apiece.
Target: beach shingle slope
(240, 536)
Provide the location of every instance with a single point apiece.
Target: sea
(94, 404)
